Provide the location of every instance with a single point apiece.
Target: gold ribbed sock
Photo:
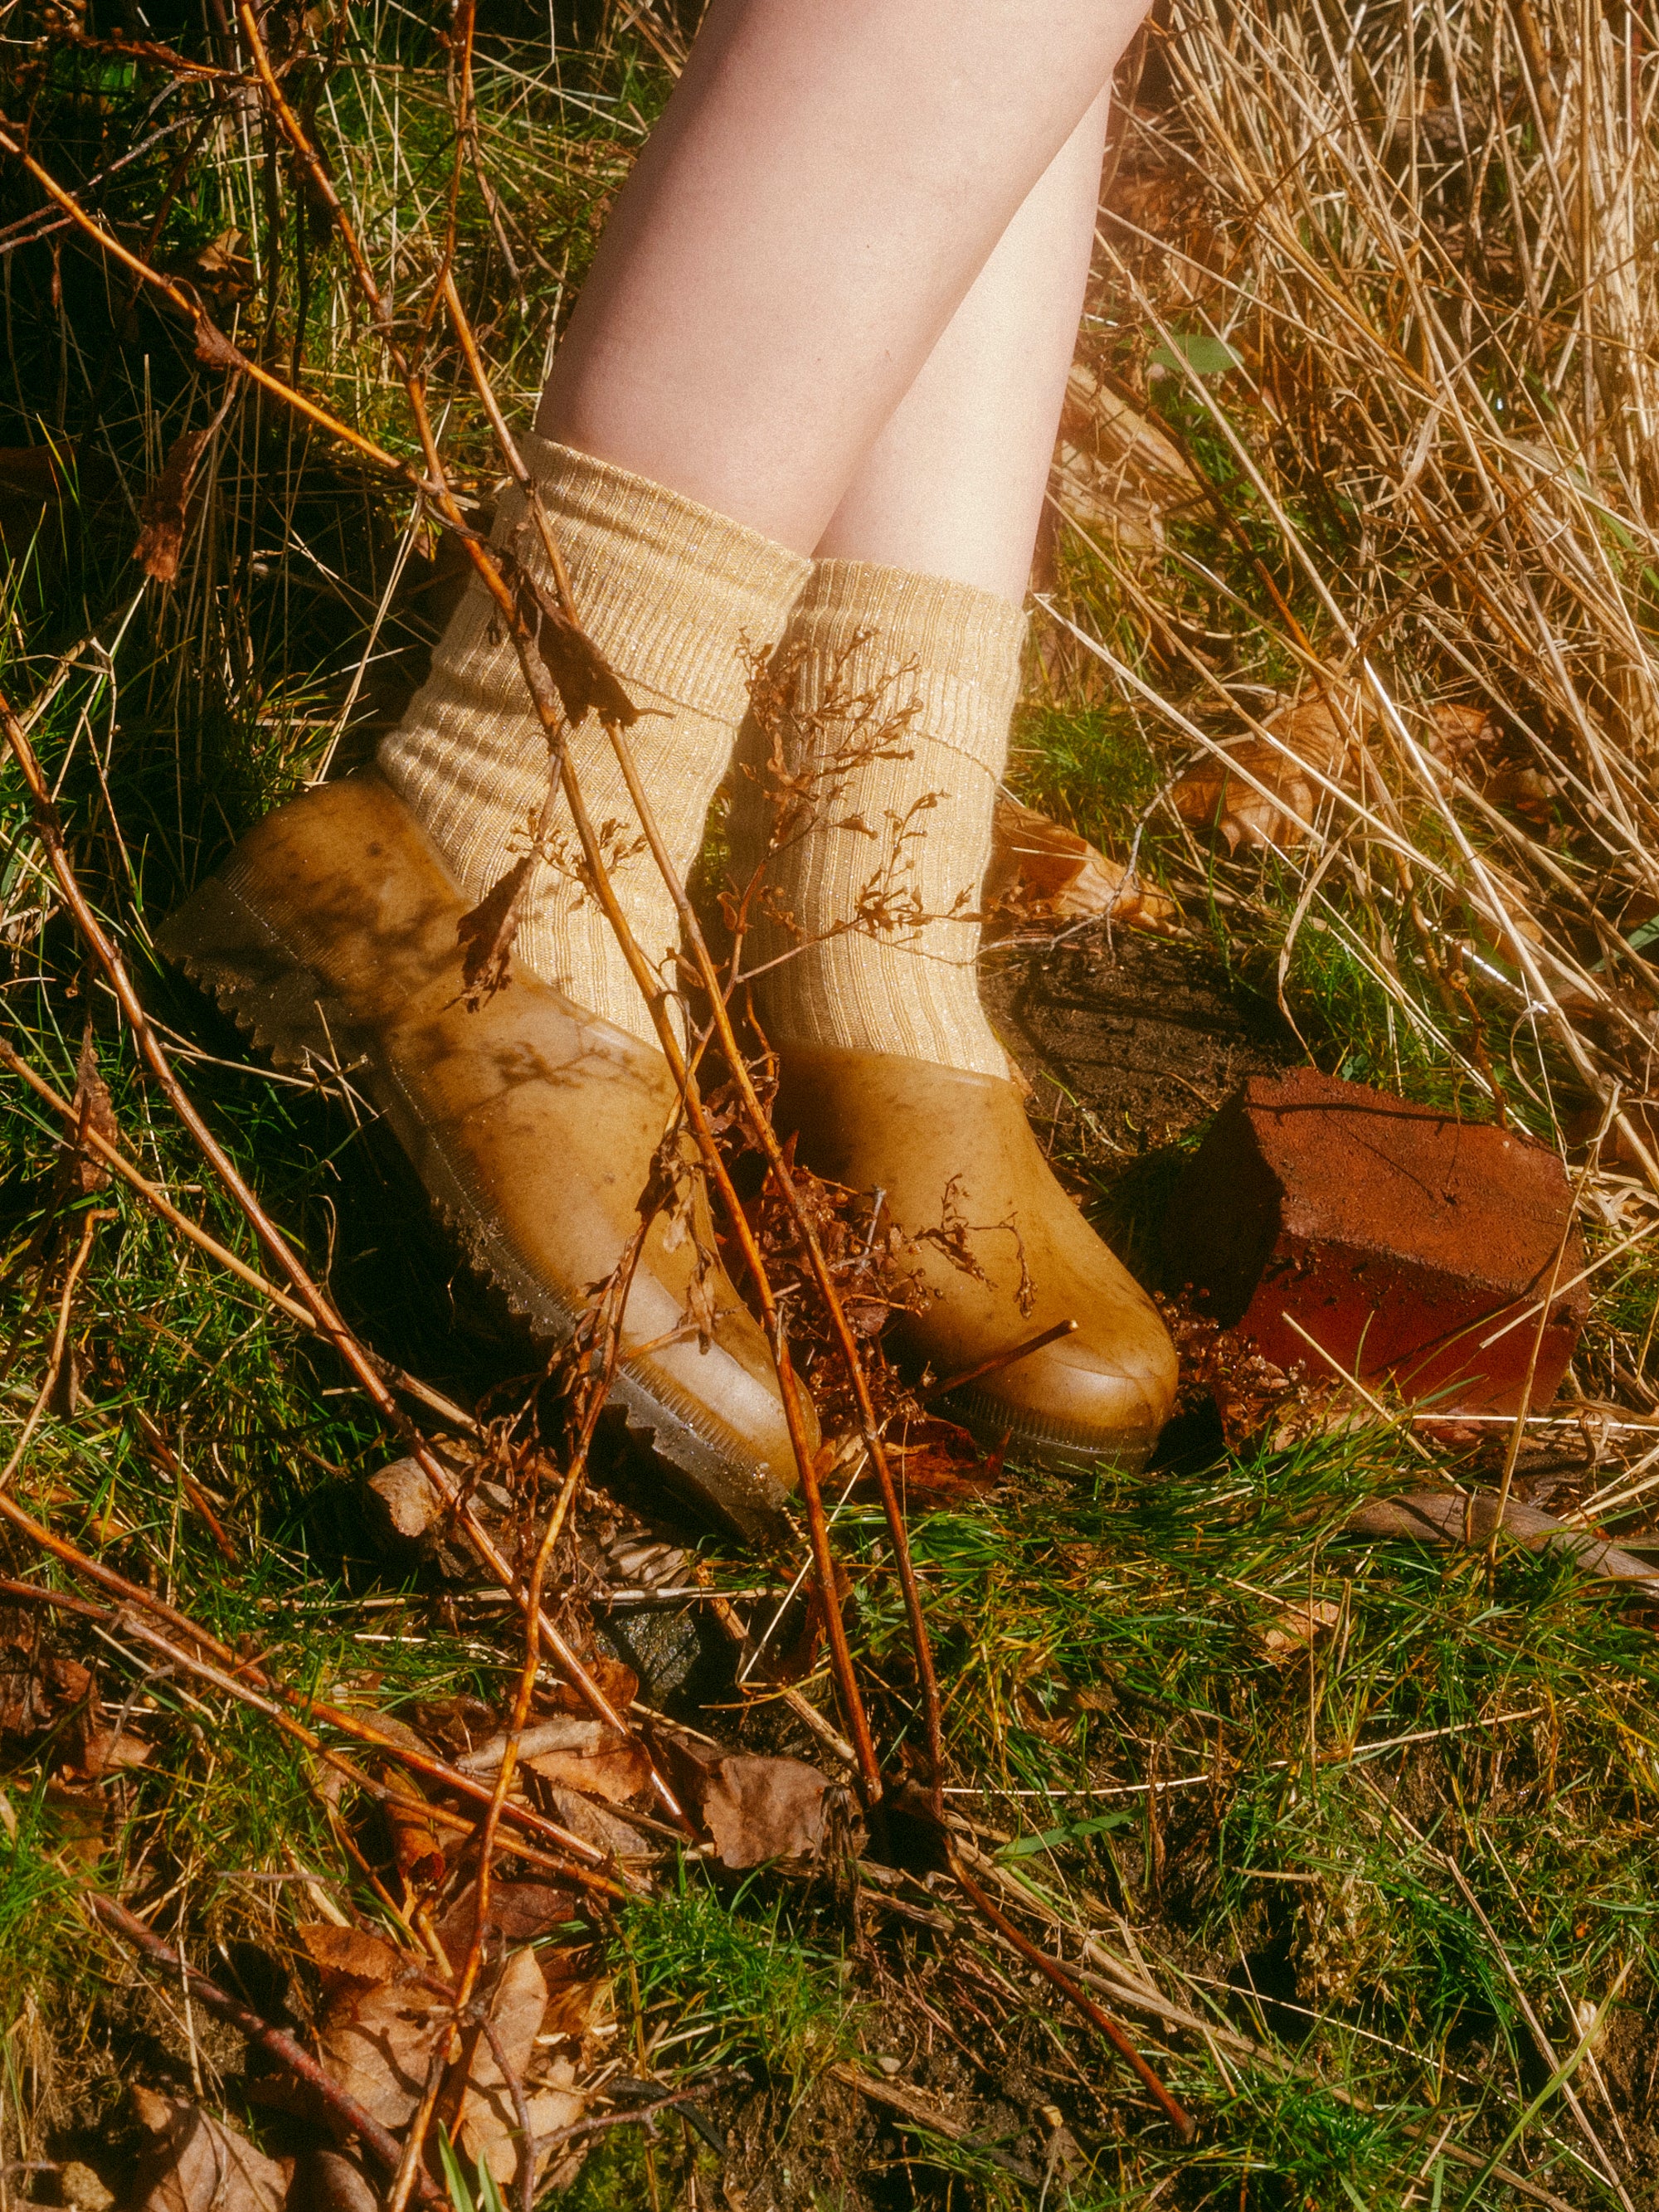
(899, 839)
(670, 593)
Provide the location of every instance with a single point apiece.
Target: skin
(838, 296)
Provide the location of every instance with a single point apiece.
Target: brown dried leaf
(617, 1684)
(74, 1819)
(615, 1768)
(517, 1912)
(751, 1807)
(404, 1493)
(1525, 790)
(383, 2018)
(1277, 806)
(554, 2104)
(105, 1751)
(220, 269)
(214, 348)
(582, 676)
(347, 1954)
(417, 1842)
(95, 1109)
(486, 934)
(578, 2003)
(37, 1687)
(166, 510)
(327, 2181)
(488, 2123)
(1042, 873)
(196, 2164)
(81, 2189)
(1463, 738)
(1113, 469)
(594, 1824)
(1296, 1626)
(376, 2038)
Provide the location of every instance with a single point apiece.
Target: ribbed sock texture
(861, 632)
(669, 591)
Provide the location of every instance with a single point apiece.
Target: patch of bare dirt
(1130, 1040)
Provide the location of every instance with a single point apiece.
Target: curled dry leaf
(575, 1753)
(487, 931)
(37, 1687)
(193, 2163)
(1113, 469)
(1040, 872)
(220, 269)
(417, 1842)
(95, 1109)
(214, 348)
(1296, 1626)
(617, 1681)
(612, 1767)
(165, 514)
(1439, 1516)
(582, 676)
(1267, 794)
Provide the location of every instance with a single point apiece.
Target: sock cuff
(941, 624)
(963, 645)
(663, 583)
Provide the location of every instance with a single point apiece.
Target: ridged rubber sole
(990, 1423)
(240, 958)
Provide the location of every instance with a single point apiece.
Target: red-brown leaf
(165, 512)
(487, 931)
(213, 347)
(582, 676)
(95, 1109)
(751, 1807)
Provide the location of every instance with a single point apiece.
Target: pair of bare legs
(838, 297)
(832, 315)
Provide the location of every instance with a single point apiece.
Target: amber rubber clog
(1004, 1253)
(329, 935)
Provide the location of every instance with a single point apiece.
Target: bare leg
(954, 484)
(829, 180)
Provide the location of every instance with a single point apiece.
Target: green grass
(728, 1979)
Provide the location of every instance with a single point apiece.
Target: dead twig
(1075, 1995)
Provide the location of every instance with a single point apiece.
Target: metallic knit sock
(899, 839)
(672, 593)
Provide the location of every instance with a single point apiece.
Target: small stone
(1401, 1239)
(888, 2066)
(78, 2185)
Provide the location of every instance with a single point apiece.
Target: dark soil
(1135, 1040)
